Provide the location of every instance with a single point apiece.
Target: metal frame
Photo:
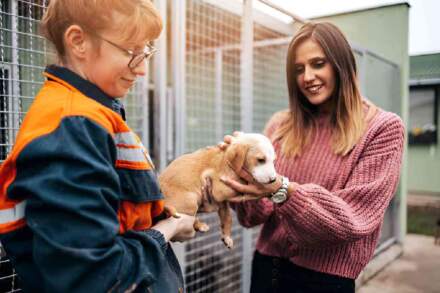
(219, 93)
(178, 50)
(247, 91)
(14, 104)
(6, 113)
(160, 89)
(178, 35)
(247, 51)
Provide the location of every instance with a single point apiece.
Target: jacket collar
(71, 79)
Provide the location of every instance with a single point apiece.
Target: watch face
(279, 197)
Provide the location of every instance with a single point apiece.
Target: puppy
(192, 183)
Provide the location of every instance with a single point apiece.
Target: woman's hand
(177, 229)
(228, 139)
(252, 190)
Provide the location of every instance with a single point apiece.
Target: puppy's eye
(262, 160)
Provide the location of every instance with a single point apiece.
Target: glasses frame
(136, 59)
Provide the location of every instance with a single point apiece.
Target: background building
(424, 111)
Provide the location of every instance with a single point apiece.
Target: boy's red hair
(140, 20)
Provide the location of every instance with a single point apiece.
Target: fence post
(219, 94)
(178, 37)
(246, 109)
(160, 88)
(178, 43)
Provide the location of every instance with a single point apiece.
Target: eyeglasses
(136, 59)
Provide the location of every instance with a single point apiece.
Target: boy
(78, 195)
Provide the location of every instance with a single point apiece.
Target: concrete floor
(416, 271)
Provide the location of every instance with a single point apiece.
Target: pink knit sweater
(331, 222)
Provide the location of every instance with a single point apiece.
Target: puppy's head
(254, 153)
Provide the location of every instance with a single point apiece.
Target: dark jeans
(279, 275)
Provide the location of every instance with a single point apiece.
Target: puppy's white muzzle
(264, 174)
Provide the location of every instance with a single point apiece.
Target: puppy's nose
(272, 180)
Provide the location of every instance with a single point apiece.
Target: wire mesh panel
(210, 266)
(213, 34)
(213, 108)
(270, 87)
(23, 56)
(138, 104)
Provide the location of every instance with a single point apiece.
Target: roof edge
(425, 53)
(423, 81)
(366, 8)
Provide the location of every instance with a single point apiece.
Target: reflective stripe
(130, 155)
(13, 214)
(131, 150)
(127, 138)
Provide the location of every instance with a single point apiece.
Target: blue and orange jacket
(78, 194)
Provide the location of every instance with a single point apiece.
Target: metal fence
(220, 67)
(23, 54)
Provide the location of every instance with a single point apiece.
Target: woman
(341, 158)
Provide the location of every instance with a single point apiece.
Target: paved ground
(416, 271)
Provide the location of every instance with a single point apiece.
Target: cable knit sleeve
(314, 215)
(253, 213)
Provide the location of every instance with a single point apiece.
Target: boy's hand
(185, 228)
(176, 229)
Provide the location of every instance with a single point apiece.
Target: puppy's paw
(202, 227)
(171, 211)
(229, 243)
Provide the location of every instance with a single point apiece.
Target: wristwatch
(280, 195)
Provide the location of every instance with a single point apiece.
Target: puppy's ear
(236, 155)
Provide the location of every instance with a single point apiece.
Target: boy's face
(107, 65)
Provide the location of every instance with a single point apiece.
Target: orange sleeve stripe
(128, 146)
(12, 226)
(133, 165)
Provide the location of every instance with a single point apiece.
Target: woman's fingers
(243, 198)
(223, 146)
(242, 188)
(227, 140)
(237, 186)
(244, 174)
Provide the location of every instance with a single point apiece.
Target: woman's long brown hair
(347, 117)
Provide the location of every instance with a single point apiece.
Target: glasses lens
(136, 60)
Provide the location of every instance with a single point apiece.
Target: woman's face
(315, 75)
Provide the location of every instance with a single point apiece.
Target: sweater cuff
(297, 202)
(156, 235)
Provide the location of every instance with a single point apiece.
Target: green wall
(424, 167)
(384, 31)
